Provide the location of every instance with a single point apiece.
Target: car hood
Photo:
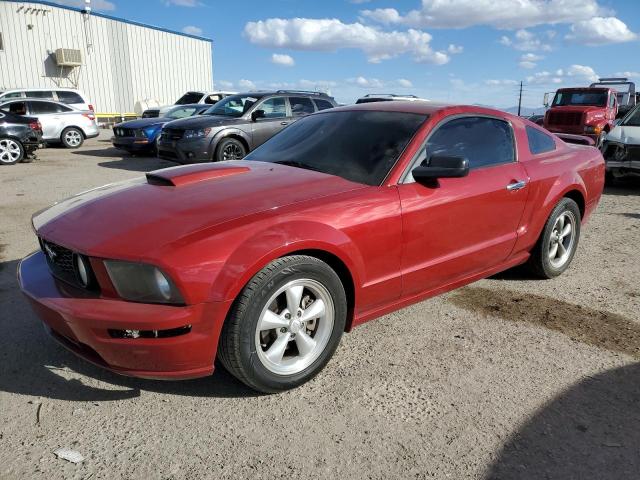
(204, 121)
(143, 122)
(131, 219)
(625, 134)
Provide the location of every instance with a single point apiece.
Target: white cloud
(283, 59)
(501, 83)
(366, 82)
(225, 84)
(95, 4)
(600, 31)
(332, 35)
(502, 14)
(358, 2)
(404, 83)
(627, 74)
(246, 84)
(191, 30)
(182, 3)
(574, 73)
(454, 49)
(527, 64)
(525, 41)
(529, 60)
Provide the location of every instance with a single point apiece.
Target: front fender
(228, 132)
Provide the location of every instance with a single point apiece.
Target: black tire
(72, 137)
(11, 151)
(540, 263)
(237, 349)
(609, 178)
(229, 149)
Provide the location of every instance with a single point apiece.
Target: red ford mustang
(346, 215)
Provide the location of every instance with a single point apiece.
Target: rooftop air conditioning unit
(67, 57)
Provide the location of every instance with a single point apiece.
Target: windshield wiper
(294, 163)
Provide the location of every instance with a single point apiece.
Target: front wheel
(230, 149)
(285, 325)
(72, 137)
(559, 240)
(11, 151)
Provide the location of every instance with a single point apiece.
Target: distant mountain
(526, 111)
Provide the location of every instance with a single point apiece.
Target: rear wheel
(11, 151)
(559, 240)
(230, 149)
(285, 325)
(72, 137)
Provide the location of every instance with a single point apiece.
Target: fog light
(172, 332)
(190, 154)
(82, 270)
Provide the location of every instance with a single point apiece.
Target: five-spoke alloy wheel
(285, 325)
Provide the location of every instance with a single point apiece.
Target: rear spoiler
(577, 139)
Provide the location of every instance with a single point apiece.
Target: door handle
(517, 185)
(284, 123)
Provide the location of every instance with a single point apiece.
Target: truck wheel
(11, 151)
(72, 137)
(230, 149)
(557, 245)
(285, 325)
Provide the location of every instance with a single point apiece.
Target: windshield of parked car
(181, 112)
(580, 98)
(189, 97)
(632, 119)
(361, 146)
(233, 105)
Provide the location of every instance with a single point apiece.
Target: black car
(139, 136)
(19, 138)
(236, 125)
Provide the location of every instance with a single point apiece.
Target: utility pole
(520, 99)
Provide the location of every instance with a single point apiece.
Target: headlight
(201, 132)
(592, 129)
(620, 153)
(82, 270)
(140, 282)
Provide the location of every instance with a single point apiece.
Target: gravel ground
(507, 378)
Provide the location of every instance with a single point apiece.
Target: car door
(49, 116)
(462, 226)
(275, 119)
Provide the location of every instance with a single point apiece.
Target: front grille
(123, 132)
(172, 134)
(565, 118)
(61, 263)
(633, 153)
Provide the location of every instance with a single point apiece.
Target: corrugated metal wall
(123, 63)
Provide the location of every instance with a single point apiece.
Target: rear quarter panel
(569, 170)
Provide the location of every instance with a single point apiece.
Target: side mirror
(441, 166)
(546, 99)
(256, 114)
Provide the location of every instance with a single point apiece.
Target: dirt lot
(507, 378)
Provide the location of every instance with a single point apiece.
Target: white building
(115, 62)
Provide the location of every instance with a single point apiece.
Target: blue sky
(471, 51)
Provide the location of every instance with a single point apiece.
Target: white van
(68, 96)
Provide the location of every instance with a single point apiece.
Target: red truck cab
(582, 111)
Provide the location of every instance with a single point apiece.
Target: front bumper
(133, 144)
(185, 151)
(81, 321)
(629, 163)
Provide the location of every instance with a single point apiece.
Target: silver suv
(236, 125)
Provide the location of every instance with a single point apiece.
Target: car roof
(40, 89)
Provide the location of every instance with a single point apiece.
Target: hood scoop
(187, 174)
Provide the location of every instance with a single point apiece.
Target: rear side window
(189, 97)
(539, 142)
(481, 140)
(212, 99)
(19, 108)
(48, 94)
(69, 97)
(274, 107)
(301, 106)
(47, 107)
(322, 104)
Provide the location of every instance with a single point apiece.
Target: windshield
(233, 105)
(580, 98)
(632, 119)
(360, 146)
(189, 97)
(181, 112)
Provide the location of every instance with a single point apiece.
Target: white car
(60, 123)
(68, 96)
(621, 146)
(388, 97)
(188, 98)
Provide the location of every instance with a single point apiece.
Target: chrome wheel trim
(294, 327)
(73, 138)
(9, 151)
(232, 152)
(562, 239)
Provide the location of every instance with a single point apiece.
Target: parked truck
(626, 94)
(589, 111)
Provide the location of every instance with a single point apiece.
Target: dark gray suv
(236, 125)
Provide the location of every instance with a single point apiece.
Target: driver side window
(483, 141)
(274, 107)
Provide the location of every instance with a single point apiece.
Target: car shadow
(589, 431)
(34, 364)
(138, 164)
(623, 186)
